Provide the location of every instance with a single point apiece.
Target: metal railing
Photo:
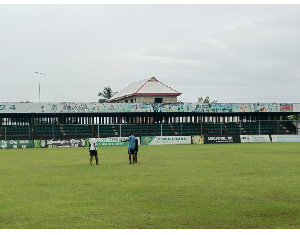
(71, 131)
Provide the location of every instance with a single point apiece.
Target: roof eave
(160, 94)
(143, 94)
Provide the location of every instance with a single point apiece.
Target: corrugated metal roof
(145, 87)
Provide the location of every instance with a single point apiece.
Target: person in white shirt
(93, 151)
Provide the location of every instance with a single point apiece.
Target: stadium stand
(47, 131)
(264, 127)
(186, 129)
(15, 132)
(212, 129)
(103, 131)
(65, 120)
(233, 128)
(76, 131)
(145, 129)
(70, 131)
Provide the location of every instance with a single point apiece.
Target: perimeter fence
(69, 131)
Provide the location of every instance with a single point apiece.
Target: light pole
(39, 73)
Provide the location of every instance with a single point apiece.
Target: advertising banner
(16, 144)
(222, 139)
(113, 141)
(285, 138)
(94, 107)
(71, 143)
(255, 138)
(161, 140)
(198, 139)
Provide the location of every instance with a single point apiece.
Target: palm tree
(107, 93)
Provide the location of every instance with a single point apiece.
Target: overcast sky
(231, 53)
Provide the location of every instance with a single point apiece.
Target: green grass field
(233, 186)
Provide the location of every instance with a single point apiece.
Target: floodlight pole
(38, 72)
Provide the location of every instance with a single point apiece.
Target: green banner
(16, 144)
(66, 143)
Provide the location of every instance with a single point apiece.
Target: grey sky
(232, 53)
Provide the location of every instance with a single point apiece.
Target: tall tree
(106, 94)
(206, 100)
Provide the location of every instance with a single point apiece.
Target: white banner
(113, 141)
(255, 138)
(161, 140)
(286, 138)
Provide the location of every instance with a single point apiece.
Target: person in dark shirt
(136, 149)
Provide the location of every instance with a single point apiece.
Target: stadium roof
(146, 87)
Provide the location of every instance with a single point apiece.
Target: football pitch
(225, 186)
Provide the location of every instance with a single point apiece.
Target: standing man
(131, 146)
(93, 151)
(136, 149)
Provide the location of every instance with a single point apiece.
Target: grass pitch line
(71, 213)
